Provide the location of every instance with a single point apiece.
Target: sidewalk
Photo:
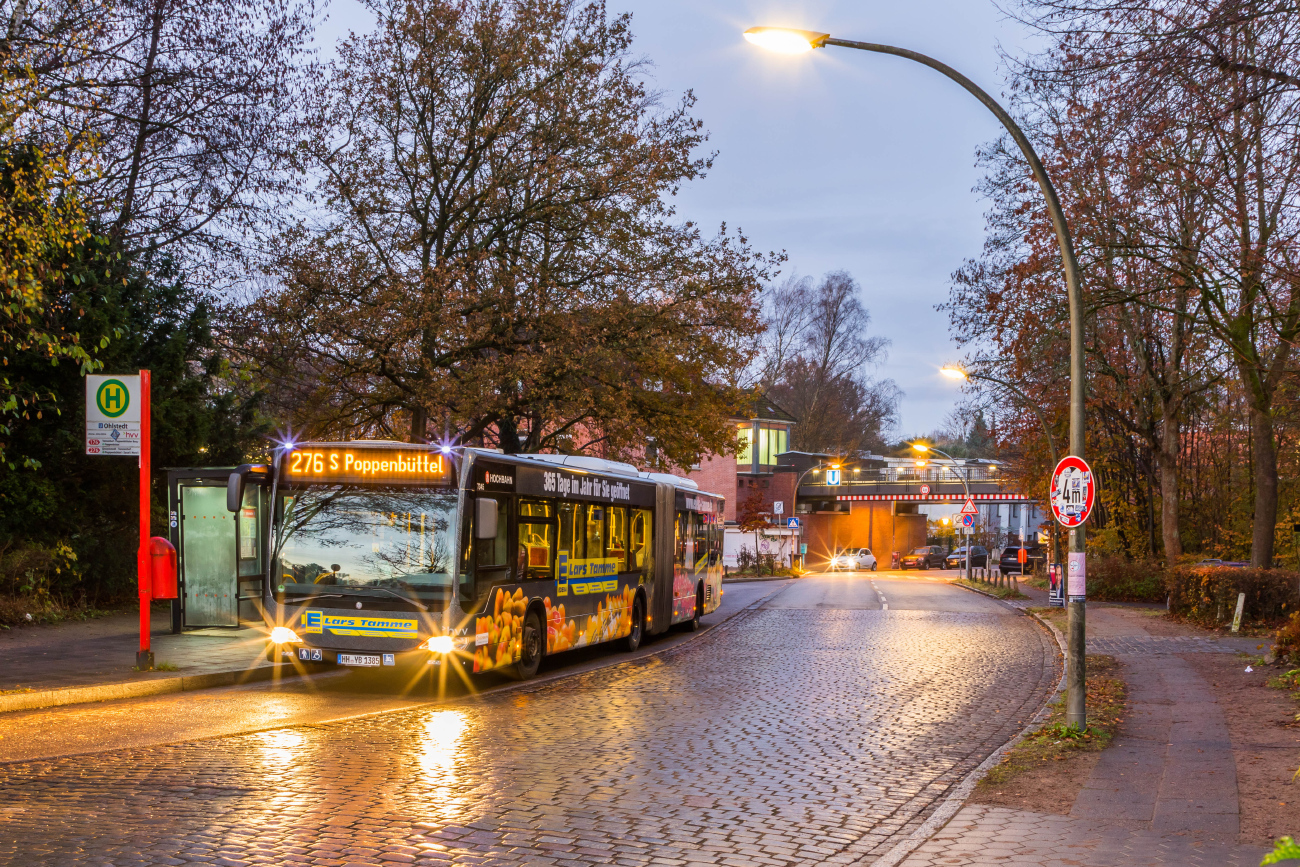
(45, 666)
(1165, 792)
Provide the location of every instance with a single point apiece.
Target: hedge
(1209, 596)
(1115, 579)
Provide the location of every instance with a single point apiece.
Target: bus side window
(536, 555)
(618, 536)
(640, 543)
(494, 553)
(566, 531)
(701, 529)
(595, 533)
(681, 534)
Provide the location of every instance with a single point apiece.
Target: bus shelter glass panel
(208, 551)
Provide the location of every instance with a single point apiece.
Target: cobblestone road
(786, 736)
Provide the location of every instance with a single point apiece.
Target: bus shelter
(220, 555)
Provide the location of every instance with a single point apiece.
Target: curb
(957, 798)
(747, 579)
(138, 688)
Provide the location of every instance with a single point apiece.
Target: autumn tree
(491, 253)
(1170, 128)
(190, 107)
(818, 361)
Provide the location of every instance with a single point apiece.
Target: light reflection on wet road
(795, 733)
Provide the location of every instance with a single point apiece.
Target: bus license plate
(359, 659)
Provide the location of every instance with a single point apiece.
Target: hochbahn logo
(113, 398)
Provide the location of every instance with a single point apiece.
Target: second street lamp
(952, 371)
(790, 41)
(925, 449)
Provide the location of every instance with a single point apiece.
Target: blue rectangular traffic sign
(792, 523)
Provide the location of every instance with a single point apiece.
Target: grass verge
(1000, 592)
(1058, 616)
(1054, 742)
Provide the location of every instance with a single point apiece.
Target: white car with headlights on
(854, 560)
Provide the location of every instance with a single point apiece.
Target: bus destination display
(342, 465)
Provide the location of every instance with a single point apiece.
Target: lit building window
(745, 455)
(771, 442)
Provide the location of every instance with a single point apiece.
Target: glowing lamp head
(440, 644)
(446, 449)
(952, 371)
(284, 635)
(920, 447)
(784, 40)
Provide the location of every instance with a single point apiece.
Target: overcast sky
(843, 159)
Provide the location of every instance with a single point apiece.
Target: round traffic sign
(1073, 491)
(968, 520)
(925, 490)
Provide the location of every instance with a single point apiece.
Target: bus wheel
(530, 647)
(693, 624)
(633, 640)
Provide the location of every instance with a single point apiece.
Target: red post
(144, 658)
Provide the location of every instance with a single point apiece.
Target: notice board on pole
(113, 415)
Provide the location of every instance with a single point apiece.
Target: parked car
(979, 556)
(1215, 563)
(929, 557)
(854, 559)
(1010, 561)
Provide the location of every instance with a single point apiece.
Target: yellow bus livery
(316, 622)
(586, 576)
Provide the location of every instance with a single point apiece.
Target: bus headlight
(284, 635)
(439, 644)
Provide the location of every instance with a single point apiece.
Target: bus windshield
(397, 538)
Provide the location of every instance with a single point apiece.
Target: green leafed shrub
(1208, 596)
(1114, 578)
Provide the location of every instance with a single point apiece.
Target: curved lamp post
(820, 465)
(789, 41)
(925, 449)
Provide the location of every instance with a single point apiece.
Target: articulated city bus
(381, 552)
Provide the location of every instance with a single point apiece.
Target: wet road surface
(820, 727)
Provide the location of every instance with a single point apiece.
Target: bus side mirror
(235, 492)
(485, 519)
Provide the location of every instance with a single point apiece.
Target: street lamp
(799, 41)
(816, 468)
(925, 449)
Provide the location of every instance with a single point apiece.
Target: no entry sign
(1074, 491)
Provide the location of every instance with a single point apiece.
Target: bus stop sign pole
(144, 657)
(117, 423)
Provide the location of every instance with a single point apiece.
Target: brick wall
(717, 475)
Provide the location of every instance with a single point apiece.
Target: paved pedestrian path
(1165, 792)
(102, 651)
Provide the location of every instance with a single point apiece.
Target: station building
(881, 503)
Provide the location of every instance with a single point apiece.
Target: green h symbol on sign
(112, 398)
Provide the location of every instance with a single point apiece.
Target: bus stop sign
(1073, 492)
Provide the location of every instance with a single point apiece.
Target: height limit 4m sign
(1074, 491)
